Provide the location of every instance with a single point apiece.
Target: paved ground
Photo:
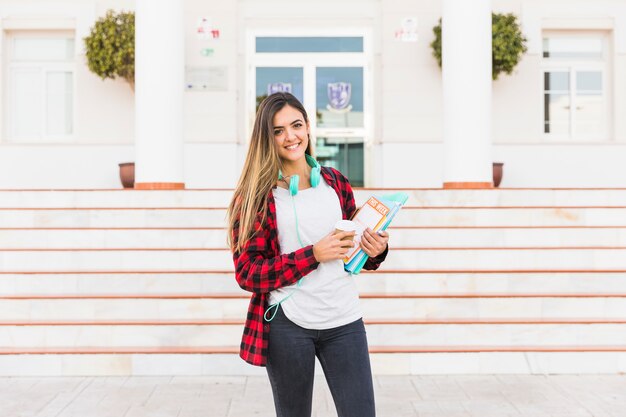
(423, 396)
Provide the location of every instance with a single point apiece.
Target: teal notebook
(395, 202)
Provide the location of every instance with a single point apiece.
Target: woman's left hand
(373, 244)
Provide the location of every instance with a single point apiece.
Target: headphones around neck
(295, 179)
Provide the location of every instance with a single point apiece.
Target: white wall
(96, 166)
(567, 166)
(410, 91)
(212, 116)
(62, 166)
(407, 165)
(525, 165)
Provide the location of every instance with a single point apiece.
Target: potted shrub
(110, 47)
(110, 52)
(508, 44)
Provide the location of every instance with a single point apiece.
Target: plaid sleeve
(257, 272)
(349, 208)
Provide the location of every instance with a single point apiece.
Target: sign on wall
(408, 30)
(206, 30)
(206, 78)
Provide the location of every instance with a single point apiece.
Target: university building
(554, 122)
(527, 277)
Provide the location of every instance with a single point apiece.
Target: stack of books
(376, 214)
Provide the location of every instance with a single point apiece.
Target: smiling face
(291, 134)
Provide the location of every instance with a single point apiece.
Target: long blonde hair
(260, 171)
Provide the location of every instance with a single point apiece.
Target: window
(329, 75)
(344, 154)
(309, 44)
(575, 78)
(40, 86)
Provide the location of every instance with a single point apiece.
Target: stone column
(159, 87)
(466, 72)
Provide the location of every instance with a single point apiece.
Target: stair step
(216, 216)
(382, 270)
(372, 321)
(214, 350)
(102, 238)
(67, 260)
(114, 198)
(221, 197)
(502, 216)
(246, 296)
(500, 259)
(511, 283)
(146, 283)
(368, 282)
(398, 259)
(113, 217)
(232, 308)
(482, 360)
(187, 333)
(204, 238)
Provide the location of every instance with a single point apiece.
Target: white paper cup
(346, 226)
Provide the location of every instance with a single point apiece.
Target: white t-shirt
(328, 296)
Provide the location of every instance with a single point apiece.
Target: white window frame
(44, 67)
(309, 61)
(572, 66)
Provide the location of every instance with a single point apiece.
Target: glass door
(329, 76)
(340, 120)
(278, 79)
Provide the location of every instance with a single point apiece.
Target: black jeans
(344, 357)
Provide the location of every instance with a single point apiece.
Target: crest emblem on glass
(278, 88)
(339, 94)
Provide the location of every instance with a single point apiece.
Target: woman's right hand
(331, 247)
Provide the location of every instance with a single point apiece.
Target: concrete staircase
(125, 282)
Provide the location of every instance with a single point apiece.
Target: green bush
(508, 43)
(110, 47)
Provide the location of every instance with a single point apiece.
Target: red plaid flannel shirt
(260, 268)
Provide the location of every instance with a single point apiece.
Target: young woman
(304, 305)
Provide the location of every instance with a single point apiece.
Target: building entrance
(329, 76)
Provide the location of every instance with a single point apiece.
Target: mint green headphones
(293, 190)
(295, 179)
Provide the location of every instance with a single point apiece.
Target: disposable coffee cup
(346, 226)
